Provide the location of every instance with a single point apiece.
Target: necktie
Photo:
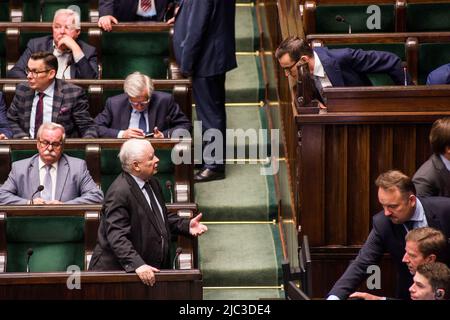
(39, 113)
(155, 208)
(409, 225)
(146, 4)
(46, 194)
(319, 89)
(142, 122)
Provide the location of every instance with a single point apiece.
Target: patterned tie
(142, 122)
(39, 113)
(146, 5)
(46, 194)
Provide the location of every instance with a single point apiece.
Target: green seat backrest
(144, 52)
(356, 15)
(378, 79)
(57, 243)
(23, 154)
(111, 168)
(431, 56)
(4, 10)
(428, 17)
(106, 93)
(32, 9)
(2, 55)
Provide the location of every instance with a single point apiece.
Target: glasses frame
(288, 69)
(35, 74)
(55, 145)
(143, 103)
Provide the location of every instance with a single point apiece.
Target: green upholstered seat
(57, 242)
(428, 17)
(144, 52)
(431, 56)
(4, 10)
(2, 55)
(32, 9)
(111, 168)
(356, 15)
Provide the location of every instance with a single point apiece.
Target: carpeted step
(244, 195)
(240, 255)
(245, 83)
(247, 36)
(237, 293)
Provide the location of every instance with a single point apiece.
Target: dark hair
(295, 47)
(50, 61)
(429, 241)
(397, 179)
(438, 274)
(440, 135)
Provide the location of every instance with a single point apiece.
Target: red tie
(39, 113)
(146, 4)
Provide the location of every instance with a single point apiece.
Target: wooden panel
(423, 148)
(404, 144)
(336, 173)
(358, 184)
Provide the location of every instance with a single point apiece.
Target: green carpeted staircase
(240, 255)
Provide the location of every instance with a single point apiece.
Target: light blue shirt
(149, 13)
(48, 107)
(419, 218)
(445, 161)
(141, 184)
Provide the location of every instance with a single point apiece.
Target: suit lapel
(432, 219)
(125, 119)
(33, 173)
(151, 111)
(61, 178)
(332, 69)
(57, 100)
(27, 106)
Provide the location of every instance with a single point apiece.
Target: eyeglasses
(34, 73)
(288, 69)
(46, 144)
(69, 27)
(142, 103)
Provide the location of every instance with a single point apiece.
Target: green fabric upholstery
(428, 17)
(4, 10)
(2, 55)
(144, 52)
(32, 9)
(356, 15)
(111, 168)
(431, 56)
(57, 243)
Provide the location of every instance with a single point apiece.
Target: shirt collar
(445, 161)
(419, 212)
(318, 67)
(42, 164)
(50, 90)
(139, 181)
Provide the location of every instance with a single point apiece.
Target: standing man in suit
(46, 99)
(433, 177)
(139, 111)
(5, 131)
(135, 228)
(402, 211)
(204, 45)
(440, 75)
(65, 179)
(76, 58)
(113, 11)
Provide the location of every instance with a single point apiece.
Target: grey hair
(132, 150)
(75, 14)
(137, 82)
(51, 126)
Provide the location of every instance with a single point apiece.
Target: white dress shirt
(53, 174)
(48, 107)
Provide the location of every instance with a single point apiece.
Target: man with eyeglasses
(141, 112)
(76, 58)
(65, 179)
(46, 99)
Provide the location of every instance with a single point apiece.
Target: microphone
(39, 189)
(340, 18)
(41, 8)
(29, 254)
(169, 186)
(169, 126)
(69, 63)
(405, 73)
(177, 254)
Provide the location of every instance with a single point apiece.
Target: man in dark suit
(5, 131)
(46, 99)
(338, 67)
(113, 11)
(402, 211)
(76, 58)
(204, 45)
(135, 228)
(433, 177)
(141, 110)
(440, 75)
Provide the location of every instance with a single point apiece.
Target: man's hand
(106, 22)
(195, 227)
(147, 274)
(37, 201)
(133, 133)
(172, 20)
(365, 296)
(53, 202)
(3, 137)
(157, 134)
(68, 43)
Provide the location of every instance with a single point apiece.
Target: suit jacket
(388, 237)
(349, 67)
(4, 125)
(70, 109)
(86, 68)
(432, 179)
(74, 184)
(163, 112)
(440, 75)
(204, 37)
(129, 235)
(125, 10)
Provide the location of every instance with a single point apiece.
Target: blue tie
(142, 122)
